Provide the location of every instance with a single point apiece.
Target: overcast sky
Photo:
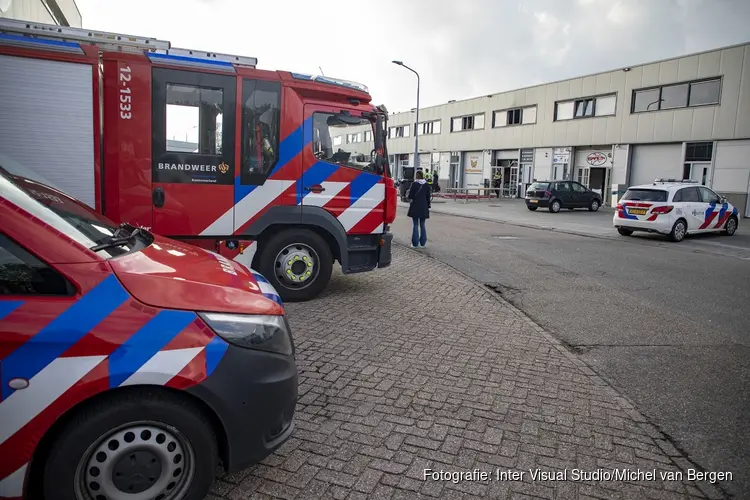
(461, 48)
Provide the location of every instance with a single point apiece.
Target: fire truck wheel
(298, 263)
(140, 444)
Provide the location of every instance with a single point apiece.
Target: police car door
(693, 207)
(193, 153)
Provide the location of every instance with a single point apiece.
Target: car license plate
(533, 201)
(637, 211)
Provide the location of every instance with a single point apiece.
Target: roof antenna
(321, 71)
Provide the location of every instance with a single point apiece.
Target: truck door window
(194, 119)
(23, 274)
(343, 143)
(260, 129)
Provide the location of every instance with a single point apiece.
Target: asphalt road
(664, 323)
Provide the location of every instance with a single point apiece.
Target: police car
(674, 208)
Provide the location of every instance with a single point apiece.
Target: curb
(677, 456)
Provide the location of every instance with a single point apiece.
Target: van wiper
(116, 241)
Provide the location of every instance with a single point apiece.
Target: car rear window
(645, 195)
(539, 186)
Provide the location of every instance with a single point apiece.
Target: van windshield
(79, 222)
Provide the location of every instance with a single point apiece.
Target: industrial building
(686, 118)
(60, 12)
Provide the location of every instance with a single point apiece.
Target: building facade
(685, 118)
(60, 12)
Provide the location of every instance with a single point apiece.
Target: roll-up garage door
(655, 161)
(47, 121)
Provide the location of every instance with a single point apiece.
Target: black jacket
(419, 194)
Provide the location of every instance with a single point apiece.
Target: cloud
(461, 49)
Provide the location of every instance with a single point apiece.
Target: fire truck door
(341, 178)
(193, 141)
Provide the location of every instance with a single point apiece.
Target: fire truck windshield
(68, 215)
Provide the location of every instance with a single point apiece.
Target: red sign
(596, 159)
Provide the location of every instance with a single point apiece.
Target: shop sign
(596, 159)
(527, 156)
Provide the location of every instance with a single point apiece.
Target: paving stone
(382, 398)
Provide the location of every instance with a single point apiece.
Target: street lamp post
(416, 121)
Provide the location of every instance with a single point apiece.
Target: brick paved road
(390, 387)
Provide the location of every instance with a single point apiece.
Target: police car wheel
(625, 231)
(139, 444)
(678, 231)
(298, 263)
(555, 206)
(731, 226)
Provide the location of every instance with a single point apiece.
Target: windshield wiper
(116, 241)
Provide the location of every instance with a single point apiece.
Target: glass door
(699, 172)
(584, 176)
(513, 182)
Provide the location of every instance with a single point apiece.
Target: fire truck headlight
(263, 333)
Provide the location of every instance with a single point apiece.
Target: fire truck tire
(288, 256)
(144, 441)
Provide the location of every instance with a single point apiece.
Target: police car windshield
(645, 195)
(81, 223)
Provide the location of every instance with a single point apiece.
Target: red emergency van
(130, 364)
(284, 172)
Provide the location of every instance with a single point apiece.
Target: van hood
(174, 275)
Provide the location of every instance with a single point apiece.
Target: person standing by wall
(419, 210)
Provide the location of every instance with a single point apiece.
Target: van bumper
(253, 394)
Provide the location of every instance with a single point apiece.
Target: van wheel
(298, 263)
(145, 444)
(731, 226)
(625, 231)
(678, 231)
(555, 206)
(594, 205)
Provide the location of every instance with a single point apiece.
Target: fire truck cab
(283, 172)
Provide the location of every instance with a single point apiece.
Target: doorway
(597, 180)
(698, 171)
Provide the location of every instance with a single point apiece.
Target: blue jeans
(416, 238)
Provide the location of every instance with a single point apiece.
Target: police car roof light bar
(686, 181)
(67, 33)
(251, 62)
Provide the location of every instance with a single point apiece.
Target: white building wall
(37, 11)
(729, 120)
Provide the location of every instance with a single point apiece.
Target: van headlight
(264, 333)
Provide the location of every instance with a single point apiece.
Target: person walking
(419, 210)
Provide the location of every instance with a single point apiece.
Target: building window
(699, 151)
(586, 108)
(515, 116)
(679, 95)
(400, 131)
(429, 128)
(368, 136)
(337, 140)
(469, 122)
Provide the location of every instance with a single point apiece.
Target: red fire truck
(283, 172)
